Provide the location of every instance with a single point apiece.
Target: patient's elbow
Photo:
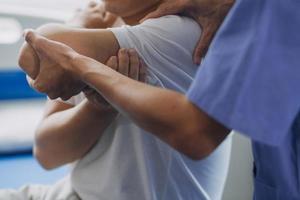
(43, 152)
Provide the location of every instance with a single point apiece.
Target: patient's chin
(113, 8)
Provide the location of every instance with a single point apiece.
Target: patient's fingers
(134, 64)
(30, 81)
(113, 63)
(123, 57)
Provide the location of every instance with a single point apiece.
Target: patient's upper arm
(99, 44)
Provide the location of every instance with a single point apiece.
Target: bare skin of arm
(66, 133)
(99, 44)
(167, 114)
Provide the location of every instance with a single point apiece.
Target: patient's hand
(93, 16)
(52, 79)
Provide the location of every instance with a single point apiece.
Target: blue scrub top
(250, 82)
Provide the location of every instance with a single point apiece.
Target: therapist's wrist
(87, 69)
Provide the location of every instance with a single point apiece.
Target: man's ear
(29, 61)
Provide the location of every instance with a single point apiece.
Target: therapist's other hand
(128, 63)
(93, 16)
(53, 79)
(95, 98)
(208, 13)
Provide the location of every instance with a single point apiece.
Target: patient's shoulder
(173, 27)
(171, 22)
(167, 30)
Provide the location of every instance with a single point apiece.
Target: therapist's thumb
(29, 36)
(34, 40)
(167, 7)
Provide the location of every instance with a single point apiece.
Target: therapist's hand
(128, 63)
(208, 13)
(52, 79)
(57, 77)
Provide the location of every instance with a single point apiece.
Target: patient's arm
(48, 77)
(66, 133)
(99, 44)
(60, 139)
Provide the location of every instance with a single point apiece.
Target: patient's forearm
(98, 44)
(66, 136)
(167, 114)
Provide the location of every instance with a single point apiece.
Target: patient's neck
(135, 19)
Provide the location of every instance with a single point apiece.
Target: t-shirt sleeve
(159, 35)
(163, 45)
(250, 78)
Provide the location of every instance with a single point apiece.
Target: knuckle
(53, 95)
(39, 87)
(134, 74)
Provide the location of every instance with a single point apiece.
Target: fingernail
(123, 51)
(28, 33)
(132, 51)
(113, 59)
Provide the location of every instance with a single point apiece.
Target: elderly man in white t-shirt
(114, 158)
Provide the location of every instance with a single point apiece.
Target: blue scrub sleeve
(250, 78)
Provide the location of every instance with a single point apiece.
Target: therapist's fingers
(134, 64)
(49, 49)
(34, 84)
(113, 63)
(203, 44)
(143, 71)
(123, 58)
(168, 7)
(30, 81)
(209, 29)
(34, 40)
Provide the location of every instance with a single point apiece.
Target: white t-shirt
(128, 163)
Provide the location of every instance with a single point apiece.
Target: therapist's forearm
(165, 113)
(65, 136)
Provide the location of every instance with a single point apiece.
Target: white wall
(239, 185)
(31, 14)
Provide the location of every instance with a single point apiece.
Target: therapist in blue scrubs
(249, 81)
